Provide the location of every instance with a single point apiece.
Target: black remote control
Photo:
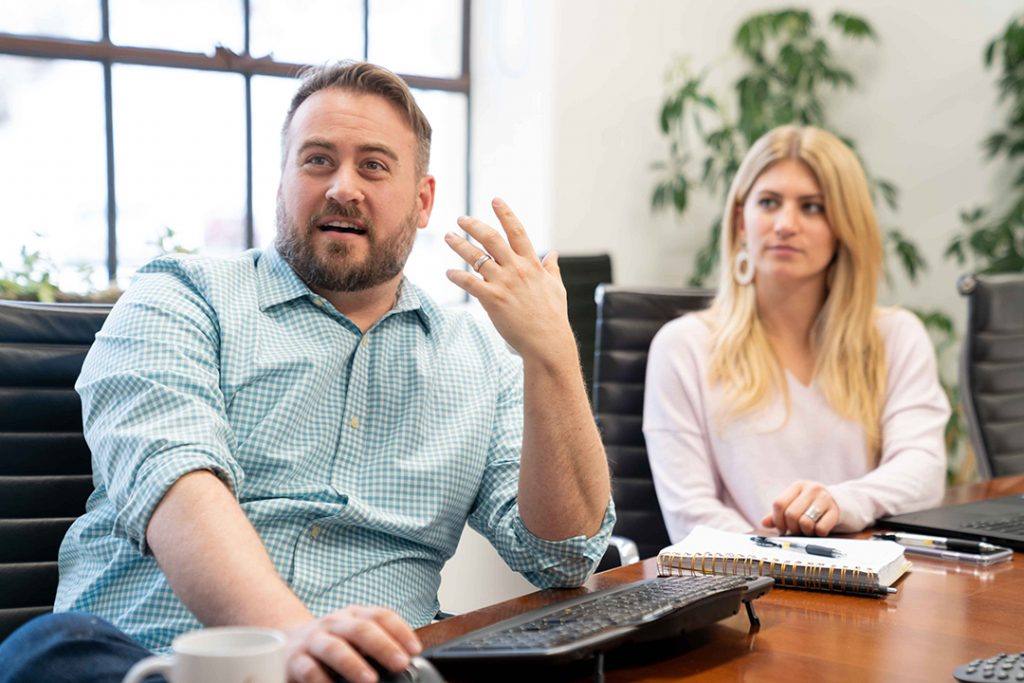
(1001, 667)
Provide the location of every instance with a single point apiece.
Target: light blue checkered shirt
(357, 457)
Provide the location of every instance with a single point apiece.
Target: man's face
(350, 198)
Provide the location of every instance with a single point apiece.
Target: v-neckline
(793, 379)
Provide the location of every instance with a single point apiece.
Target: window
(123, 122)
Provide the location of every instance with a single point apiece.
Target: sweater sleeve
(688, 488)
(911, 471)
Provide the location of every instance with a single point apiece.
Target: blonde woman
(795, 404)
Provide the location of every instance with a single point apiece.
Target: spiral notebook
(866, 566)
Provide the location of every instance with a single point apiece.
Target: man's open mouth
(342, 227)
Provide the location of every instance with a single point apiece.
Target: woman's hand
(805, 508)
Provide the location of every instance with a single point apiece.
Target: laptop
(997, 520)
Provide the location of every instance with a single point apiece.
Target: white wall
(565, 102)
(923, 105)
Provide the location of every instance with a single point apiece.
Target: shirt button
(354, 423)
(314, 531)
(318, 303)
(364, 342)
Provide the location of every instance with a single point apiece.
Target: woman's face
(783, 224)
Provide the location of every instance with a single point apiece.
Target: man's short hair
(366, 79)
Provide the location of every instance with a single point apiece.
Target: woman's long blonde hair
(849, 353)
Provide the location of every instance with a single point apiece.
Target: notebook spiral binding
(810, 576)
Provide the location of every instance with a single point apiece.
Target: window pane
(187, 25)
(53, 167)
(179, 146)
(310, 32)
(60, 18)
(431, 257)
(270, 99)
(417, 37)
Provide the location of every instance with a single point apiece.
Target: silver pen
(920, 541)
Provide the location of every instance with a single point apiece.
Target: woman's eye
(767, 202)
(814, 208)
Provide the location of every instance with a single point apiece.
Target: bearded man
(295, 438)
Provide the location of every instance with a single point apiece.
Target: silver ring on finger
(813, 513)
(478, 264)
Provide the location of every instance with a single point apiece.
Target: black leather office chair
(992, 371)
(581, 276)
(45, 467)
(627, 320)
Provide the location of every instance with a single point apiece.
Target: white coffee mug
(219, 655)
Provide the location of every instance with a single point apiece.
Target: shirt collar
(278, 283)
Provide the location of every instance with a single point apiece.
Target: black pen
(821, 550)
(919, 541)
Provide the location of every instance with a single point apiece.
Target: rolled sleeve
(152, 407)
(544, 563)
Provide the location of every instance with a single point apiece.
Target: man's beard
(331, 271)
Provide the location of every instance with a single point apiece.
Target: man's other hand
(342, 641)
(523, 295)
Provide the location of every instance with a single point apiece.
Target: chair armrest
(628, 552)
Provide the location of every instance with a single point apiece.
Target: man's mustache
(335, 209)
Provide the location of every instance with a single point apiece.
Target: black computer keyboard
(577, 628)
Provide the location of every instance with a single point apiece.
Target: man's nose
(346, 187)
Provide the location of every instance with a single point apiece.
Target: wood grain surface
(944, 615)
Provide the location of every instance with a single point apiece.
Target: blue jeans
(70, 647)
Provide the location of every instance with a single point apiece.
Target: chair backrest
(581, 276)
(627, 320)
(45, 466)
(992, 371)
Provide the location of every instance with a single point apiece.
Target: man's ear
(425, 199)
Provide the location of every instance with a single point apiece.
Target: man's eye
(374, 165)
(318, 160)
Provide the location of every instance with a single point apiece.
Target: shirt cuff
(154, 477)
(566, 563)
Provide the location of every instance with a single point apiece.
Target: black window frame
(107, 53)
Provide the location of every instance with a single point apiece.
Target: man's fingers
(395, 625)
(468, 282)
(469, 252)
(340, 656)
(489, 238)
(303, 669)
(550, 264)
(370, 638)
(517, 237)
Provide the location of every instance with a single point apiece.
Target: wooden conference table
(944, 615)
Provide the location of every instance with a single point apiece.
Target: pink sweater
(728, 477)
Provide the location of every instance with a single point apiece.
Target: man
(284, 436)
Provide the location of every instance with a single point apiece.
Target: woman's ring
(812, 513)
